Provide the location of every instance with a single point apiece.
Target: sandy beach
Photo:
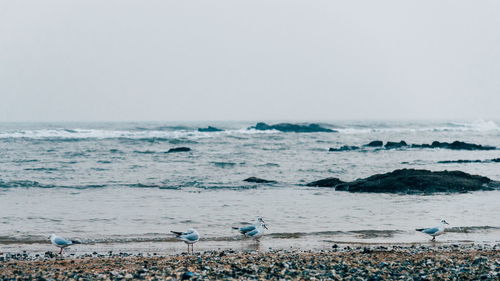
(341, 262)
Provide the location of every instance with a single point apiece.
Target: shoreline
(375, 262)
(165, 247)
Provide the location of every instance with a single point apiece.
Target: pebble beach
(341, 262)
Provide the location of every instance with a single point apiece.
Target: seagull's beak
(265, 226)
(446, 223)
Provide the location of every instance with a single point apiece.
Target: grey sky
(248, 60)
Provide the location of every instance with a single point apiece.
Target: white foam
(112, 134)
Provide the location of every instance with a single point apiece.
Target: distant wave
(183, 133)
(224, 164)
(35, 184)
(145, 151)
(23, 183)
(74, 135)
(159, 185)
(46, 169)
(478, 126)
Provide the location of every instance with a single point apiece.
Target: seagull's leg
(60, 252)
(433, 238)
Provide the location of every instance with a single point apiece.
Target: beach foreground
(448, 262)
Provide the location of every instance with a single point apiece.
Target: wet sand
(340, 262)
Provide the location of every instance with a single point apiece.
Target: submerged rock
(344, 148)
(293, 128)
(258, 180)
(419, 181)
(210, 129)
(178, 149)
(461, 161)
(328, 182)
(375, 143)
(456, 145)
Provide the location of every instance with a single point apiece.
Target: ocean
(114, 187)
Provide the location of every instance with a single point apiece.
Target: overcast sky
(249, 60)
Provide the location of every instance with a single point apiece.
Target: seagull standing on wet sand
(434, 231)
(189, 237)
(61, 242)
(255, 230)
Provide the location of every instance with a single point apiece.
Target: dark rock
(344, 148)
(456, 145)
(375, 143)
(179, 149)
(258, 180)
(210, 129)
(293, 128)
(419, 181)
(328, 182)
(391, 145)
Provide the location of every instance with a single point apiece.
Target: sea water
(112, 185)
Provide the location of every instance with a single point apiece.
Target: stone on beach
(342, 263)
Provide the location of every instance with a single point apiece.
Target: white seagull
(61, 242)
(434, 231)
(189, 237)
(255, 230)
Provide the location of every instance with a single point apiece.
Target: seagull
(434, 231)
(61, 242)
(189, 237)
(255, 230)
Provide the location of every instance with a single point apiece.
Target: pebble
(466, 262)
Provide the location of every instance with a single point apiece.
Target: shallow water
(113, 184)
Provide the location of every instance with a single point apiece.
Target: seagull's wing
(252, 233)
(430, 231)
(247, 229)
(192, 236)
(62, 242)
(177, 233)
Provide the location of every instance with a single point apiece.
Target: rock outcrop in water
(375, 143)
(210, 129)
(418, 181)
(344, 148)
(456, 145)
(412, 181)
(392, 145)
(292, 128)
(258, 180)
(328, 182)
(461, 161)
(179, 149)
